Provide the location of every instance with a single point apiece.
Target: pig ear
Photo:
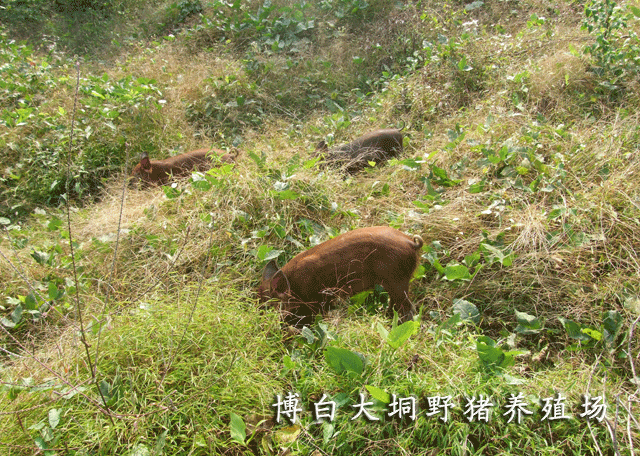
(270, 270)
(273, 274)
(145, 163)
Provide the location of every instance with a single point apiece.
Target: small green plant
(489, 252)
(48, 437)
(399, 334)
(178, 12)
(467, 311)
(270, 28)
(238, 428)
(228, 103)
(616, 51)
(317, 336)
(493, 358)
(342, 360)
(527, 324)
(372, 301)
(588, 337)
(344, 9)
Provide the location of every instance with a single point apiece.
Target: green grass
(520, 173)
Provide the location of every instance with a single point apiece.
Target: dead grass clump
(105, 217)
(532, 227)
(557, 83)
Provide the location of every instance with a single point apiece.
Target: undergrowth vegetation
(128, 318)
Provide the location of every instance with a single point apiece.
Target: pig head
(377, 146)
(158, 172)
(345, 265)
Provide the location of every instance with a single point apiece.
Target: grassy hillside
(129, 322)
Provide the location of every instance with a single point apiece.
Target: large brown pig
(347, 264)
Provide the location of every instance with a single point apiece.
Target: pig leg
(399, 300)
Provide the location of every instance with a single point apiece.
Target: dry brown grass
(105, 217)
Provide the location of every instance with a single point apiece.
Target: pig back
(389, 141)
(183, 163)
(377, 146)
(353, 262)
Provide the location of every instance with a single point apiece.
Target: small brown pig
(158, 172)
(377, 146)
(347, 264)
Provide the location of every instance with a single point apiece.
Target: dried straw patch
(531, 225)
(54, 355)
(457, 224)
(102, 219)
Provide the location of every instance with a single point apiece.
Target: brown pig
(377, 146)
(347, 264)
(158, 172)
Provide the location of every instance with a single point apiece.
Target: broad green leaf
(457, 272)
(384, 333)
(40, 257)
(378, 394)
(139, 450)
(478, 187)
(308, 334)
(53, 291)
(105, 389)
(592, 333)
(266, 253)
(171, 192)
(160, 442)
(16, 315)
(288, 362)
(491, 356)
(7, 323)
(493, 254)
(327, 431)
(612, 324)
(486, 340)
(527, 324)
(574, 330)
(400, 334)
(341, 360)
(238, 428)
(466, 310)
(450, 322)
(54, 224)
(40, 443)
(200, 182)
(472, 259)
(419, 273)
(54, 418)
